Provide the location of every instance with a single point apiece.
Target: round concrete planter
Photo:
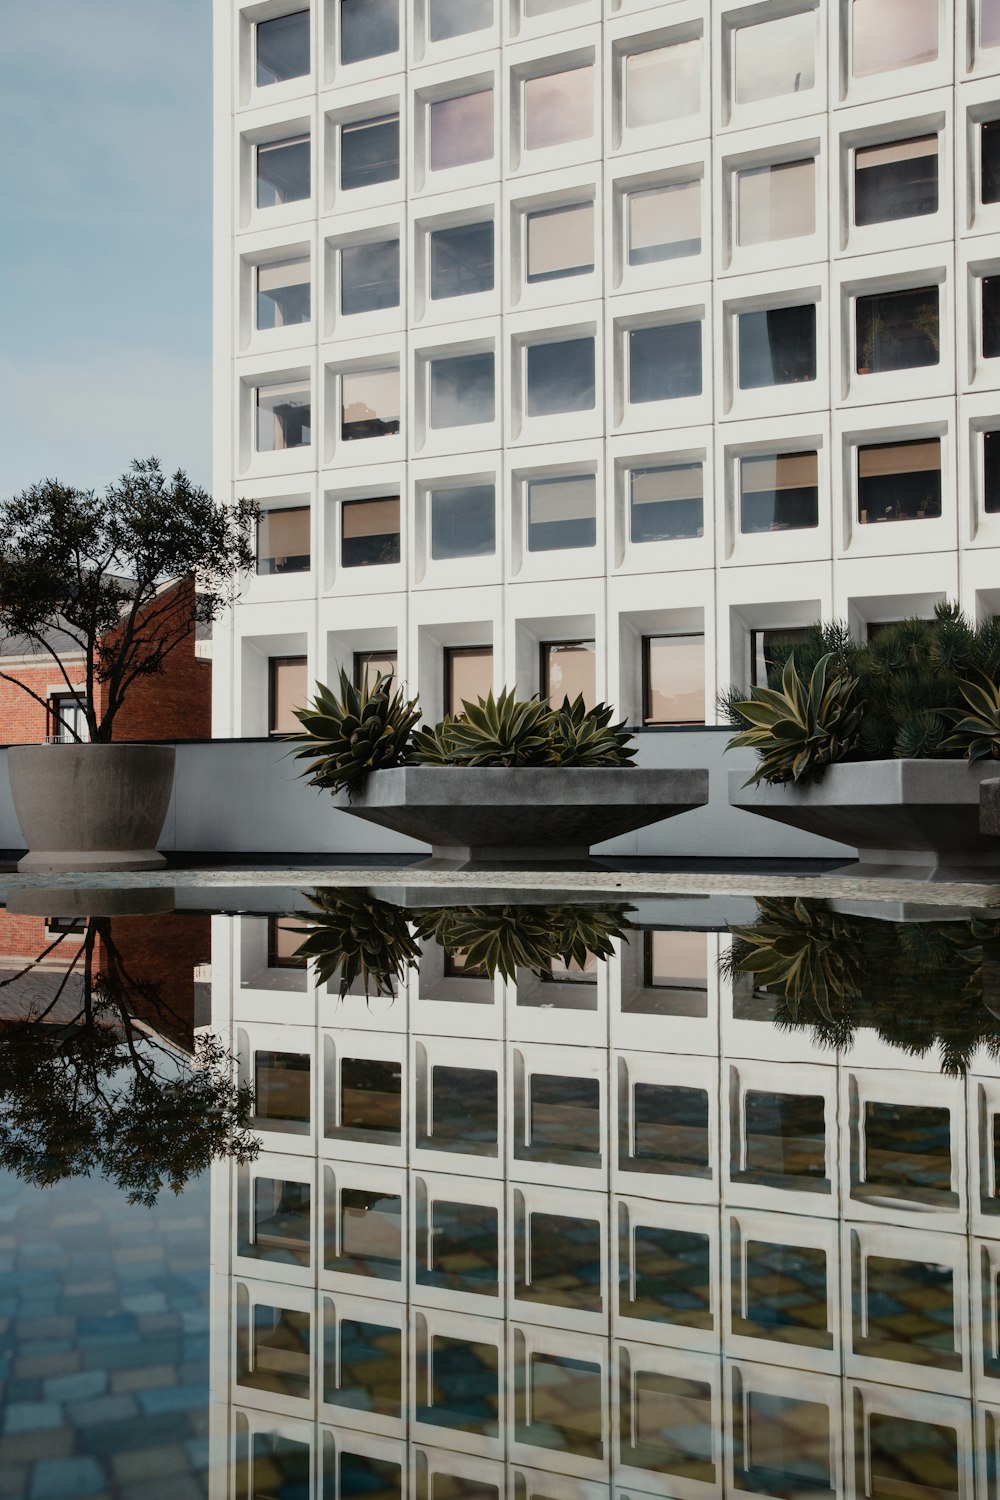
(524, 815)
(91, 807)
(916, 818)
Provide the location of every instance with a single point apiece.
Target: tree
(100, 1092)
(103, 575)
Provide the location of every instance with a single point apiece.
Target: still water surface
(578, 1201)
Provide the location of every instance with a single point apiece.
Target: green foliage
(83, 572)
(798, 730)
(502, 939)
(432, 744)
(508, 731)
(345, 736)
(587, 737)
(976, 733)
(353, 935)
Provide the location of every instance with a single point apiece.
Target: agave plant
(976, 728)
(361, 729)
(586, 737)
(355, 935)
(502, 939)
(432, 744)
(799, 948)
(798, 730)
(504, 731)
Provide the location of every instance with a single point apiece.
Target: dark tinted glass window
(560, 377)
(989, 145)
(369, 152)
(777, 346)
(461, 261)
(898, 330)
(896, 181)
(463, 521)
(282, 48)
(368, 28)
(369, 532)
(991, 316)
(664, 362)
(461, 390)
(369, 277)
(991, 474)
(448, 18)
(779, 492)
(899, 481)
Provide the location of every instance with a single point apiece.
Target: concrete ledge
(989, 807)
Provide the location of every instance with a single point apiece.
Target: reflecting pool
(385, 1193)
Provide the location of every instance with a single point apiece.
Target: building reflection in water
(630, 1226)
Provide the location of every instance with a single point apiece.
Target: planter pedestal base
(86, 861)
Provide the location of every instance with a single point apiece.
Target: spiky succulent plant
(504, 731)
(798, 730)
(502, 939)
(586, 736)
(353, 935)
(976, 728)
(346, 735)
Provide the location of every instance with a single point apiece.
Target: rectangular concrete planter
(908, 817)
(522, 815)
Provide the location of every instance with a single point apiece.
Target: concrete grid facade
(758, 319)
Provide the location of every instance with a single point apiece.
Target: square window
(279, 1464)
(564, 1116)
(464, 1110)
(907, 1148)
(369, 277)
(558, 108)
(991, 316)
(894, 35)
(370, 1100)
(899, 481)
(559, 1261)
(283, 293)
(566, 1405)
(777, 346)
(451, 18)
(562, 513)
(784, 1136)
(371, 1235)
(283, 416)
(463, 522)
(461, 130)
(568, 670)
(560, 377)
(989, 23)
(910, 1458)
(462, 1241)
(668, 1424)
(673, 679)
(369, 532)
(377, 1478)
(279, 1351)
(670, 1280)
(664, 362)
(666, 504)
(459, 1385)
(369, 404)
(669, 1130)
(282, 48)
(782, 1290)
(369, 666)
(909, 1313)
(287, 690)
(282, 1087)
(989, 161)
(368, 28)
(779, 492)
(560, 242)
(896, 181)
(897, 330)
(674, 962)
(468, 675)
(662, 84)
(283, 172)
(461, 261)
(281, 1221)
(284, 938)
(775, 57)
(782, 1444)
(776, 203)
(763, 644)
(369, 152)
(368, 1376)
(283, 540)
(991, 479)
(664, 223)
(462, 391)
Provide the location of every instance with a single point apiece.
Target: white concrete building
(582, 344)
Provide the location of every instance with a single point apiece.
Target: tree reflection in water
(93, 1078)
(917, 985)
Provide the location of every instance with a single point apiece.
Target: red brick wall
(22, 720)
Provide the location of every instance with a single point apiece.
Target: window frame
(648, 722)
(273, 664)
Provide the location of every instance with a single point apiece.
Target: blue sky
(105, 238)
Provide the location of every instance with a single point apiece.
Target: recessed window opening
(463, 521)
(371, 1238)
(283, 540)
(283, 416)
(989, 161)
(674, 960)
(283, 293)
(370, 1100)
(784, 1135)
(369, 277)
(783, 1444)
(67, 722)
(461, 261)
(666, 503)
(368, 28)
(670, 1128)
(898, 330)
(279, 1357)
(899, 481)
(559, 108)
(287, 690)
(663, 83)
(989, 23)
(779, 492)
(560, 377)
(777, 346)
(890, 36)
(893, 1443)
(468, 675)
(282, 48)
(281, 1219)
(282, 1090)
(450, 18)
(369, 152)
(776, 202)
(673, 679)
(907, 1148)
(369, 666)
(896, 181)
(991, 316)
(283, 172)
(664, 362)
(568, 668)
(369, 532)
(991, 476)
(664, 223)
(462, 390)
(562, 513)
(560, 242)
(775, 57)
(369, 404)
(461, 130)
(762, 648)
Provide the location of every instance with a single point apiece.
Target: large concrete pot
(91, 807)
(915, 818)
(524, 815)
